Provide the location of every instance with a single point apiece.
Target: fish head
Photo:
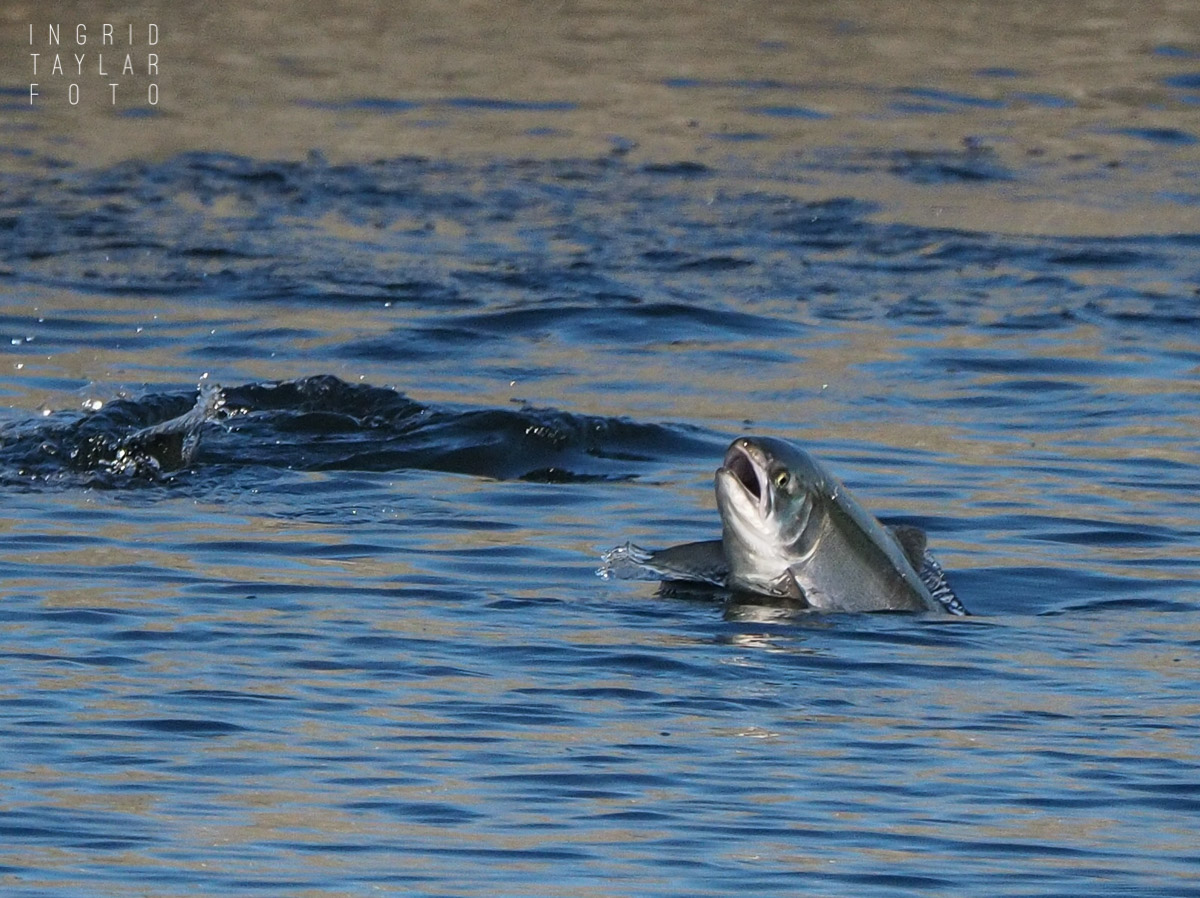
(769, 494)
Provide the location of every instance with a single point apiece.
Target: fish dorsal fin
(912, 540)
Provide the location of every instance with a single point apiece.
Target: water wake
(323, 423)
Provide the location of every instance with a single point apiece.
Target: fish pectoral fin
(701, 562)
(913, 541)
(785, 585)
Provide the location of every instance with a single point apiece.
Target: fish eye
(781, 479)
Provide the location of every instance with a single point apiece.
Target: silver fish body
(790, 528)
(792, 531)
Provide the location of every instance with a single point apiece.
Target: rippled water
(355, 641)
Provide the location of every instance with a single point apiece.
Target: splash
(321, 423)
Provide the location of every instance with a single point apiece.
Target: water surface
(482, 312)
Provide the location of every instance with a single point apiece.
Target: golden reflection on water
(1050, 94)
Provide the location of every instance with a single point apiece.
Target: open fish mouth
(750, 472)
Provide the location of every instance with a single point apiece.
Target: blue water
(355, 642)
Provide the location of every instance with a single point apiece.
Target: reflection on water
(1089, 120)
(352, 640)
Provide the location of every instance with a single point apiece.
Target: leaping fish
(791, 530)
